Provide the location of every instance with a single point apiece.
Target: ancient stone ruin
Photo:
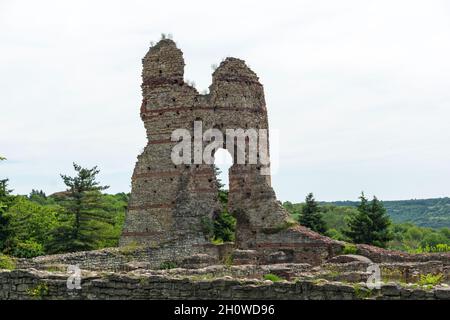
(164, 252)
(169, 203)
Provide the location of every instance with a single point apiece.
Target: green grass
(362, 292)
(319, 281)
(129, 248)
(166, 265)
(440, 247)
(272, 277)
(217, 241)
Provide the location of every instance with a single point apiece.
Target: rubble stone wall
(33, 284)
(272, 252)
(173, 202)
(127, 258)
(377, 254)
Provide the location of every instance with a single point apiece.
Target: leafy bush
(430, 279)
(6, 262)
(336, 234)
(39, 291)
(38, 225)
(272, 277)
(28, 249)
(29, 227)
(349, 249)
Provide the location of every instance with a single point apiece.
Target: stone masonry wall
(127, 258)
(169, 202)
(272, 252)
(33, 284)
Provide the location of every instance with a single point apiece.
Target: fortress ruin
(164, 252)
(169, 202)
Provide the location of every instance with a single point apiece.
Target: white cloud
(357, 89)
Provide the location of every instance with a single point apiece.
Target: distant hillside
(434, 213)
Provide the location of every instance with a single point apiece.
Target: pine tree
(359, 225)
(5, 201)
(380, 224)
(370, 224)
(311, 216)
(217, 173)
(224, 224)
(38, 196)
(86, 222)
(37, 193)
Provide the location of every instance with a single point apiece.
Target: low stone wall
(34, 284)
(383, 255)
(128, 257)
(296, 244)
(404, 272)
(284, 270)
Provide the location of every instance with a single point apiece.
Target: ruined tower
(172, 203)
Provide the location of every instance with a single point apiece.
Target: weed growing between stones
(7, 262)
(228, 260)
(362, 292)
(167, 265)
(280, 227)
(319, 281)
(430, 279)
(130, 248)
(349, 249)
(272, 277)
(38, 292)
(389, 274)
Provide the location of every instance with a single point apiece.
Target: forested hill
(434, 213)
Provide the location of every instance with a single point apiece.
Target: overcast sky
(358, 91)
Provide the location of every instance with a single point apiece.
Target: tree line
(83, 217)
(80, 218)
(368, 223)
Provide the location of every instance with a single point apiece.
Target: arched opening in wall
(224, 222)
(222, 163)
